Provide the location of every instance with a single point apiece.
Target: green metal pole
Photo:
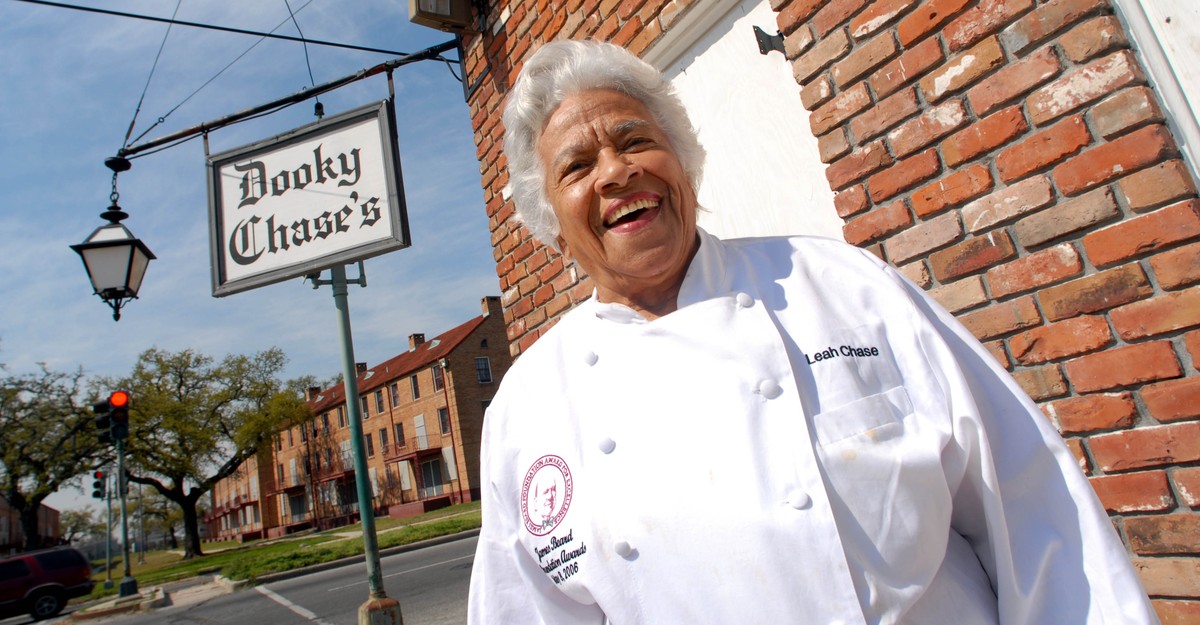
(128, 585)
(366, 510)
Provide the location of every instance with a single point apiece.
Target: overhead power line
(228, 29)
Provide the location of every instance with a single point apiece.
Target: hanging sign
(319, 195)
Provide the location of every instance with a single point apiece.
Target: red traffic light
(119, 399)
(98, 475)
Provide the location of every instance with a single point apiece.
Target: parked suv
(41, 582)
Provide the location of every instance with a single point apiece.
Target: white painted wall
(763, 175)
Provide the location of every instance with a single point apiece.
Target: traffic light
(98, 485)
(102, 415)
(119, 413)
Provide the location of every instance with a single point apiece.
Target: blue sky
(70, 84)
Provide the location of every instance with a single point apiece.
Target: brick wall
(1010, 157)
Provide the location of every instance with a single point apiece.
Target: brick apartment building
(422, 415)
(1028, 162)
(12, 536)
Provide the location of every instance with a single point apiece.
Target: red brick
(1124, 366)
(1187, 481)
(1144, 234)
(1177, 611)
(877, 224)
(1047, 20)
(906, 67)
(1002, 318)
(928, 127)
(863, 59)
(819, 57)
(1007, 203)
(1084, 85)
(1174, 400)
(1177, 268)
(961, 294)
(795, 13)
(923, 238)
(1043, 383)
(917, 273)
(983, 136)
(1177, 443)
(1092, 38)
(903, 175)
(986, 18)
(797, 42)
(834, 14)
(963, 70)
(1154, 186)
(1043, 149)
(1114, 159)
(1161, 535)
(927, 17)
(1073, 337)
(1191, 342)
(1127, 109)
(1051, 265)
(1093, 413)
(1067, 217)
(1169, 577)
(877, 15)
(1144, 491)
(1095, 293)
(996, 349)
(833, 145)
(850, 201)
(837, 110)
(971, 256)
(958, 187)
(1081, 458)
(881, 117)
(1153, 317)
(855, 166)
(816, 93)
(1014, 81)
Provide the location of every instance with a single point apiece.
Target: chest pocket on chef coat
(858, 382)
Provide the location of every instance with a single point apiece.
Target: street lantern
(115, 260)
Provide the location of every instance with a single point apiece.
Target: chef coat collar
(705, 278)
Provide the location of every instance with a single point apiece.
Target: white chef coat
(807, 439)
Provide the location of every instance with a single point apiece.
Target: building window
(341, 416)
(416, 387)
(383, 442)
(291, 441)
(444, 419)
(483, 344)
(279, 442)
(439, 378)
(395, 388)
(399, 435)
(370, 445)
(303, 434)
(379, 401)
(362, 401)
(483, 370)
(282, 475)
(325, 422)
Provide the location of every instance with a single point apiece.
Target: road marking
(281, 600)
(419, 568)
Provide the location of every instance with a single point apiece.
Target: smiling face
(625, 206)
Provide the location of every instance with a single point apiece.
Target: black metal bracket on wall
(767, 43)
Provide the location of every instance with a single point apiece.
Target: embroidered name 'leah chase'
(847, 351)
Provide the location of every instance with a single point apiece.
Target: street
(431, 585)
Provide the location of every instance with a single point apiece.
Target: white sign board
(311, 198)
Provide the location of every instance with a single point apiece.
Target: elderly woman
(777, 430)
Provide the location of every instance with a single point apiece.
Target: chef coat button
(799, 500)
(623, 548)
(591, 358)
(769, 389)
(607, 445)
(745, 300)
